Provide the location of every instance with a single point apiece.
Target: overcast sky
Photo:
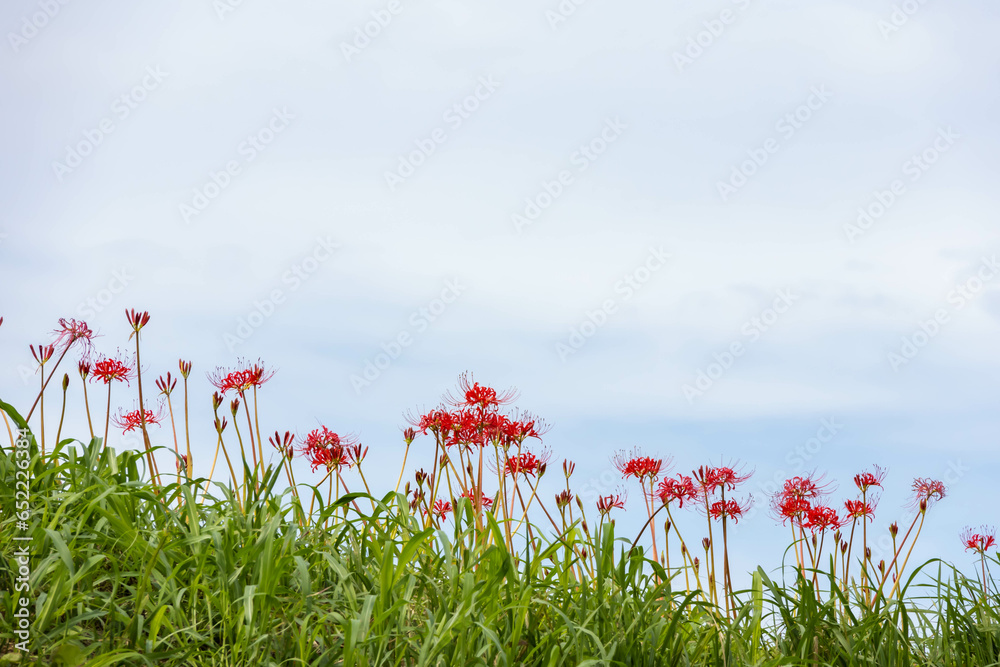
(714, 230)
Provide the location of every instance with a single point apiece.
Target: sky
(733, 230)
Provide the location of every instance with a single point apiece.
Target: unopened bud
(893, 529)
(65, 382)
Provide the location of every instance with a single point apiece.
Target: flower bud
(216, 400)
(65, 382)
(706, 543)
(185, 368)
(893, 529)
(409, 435)
(234, 406)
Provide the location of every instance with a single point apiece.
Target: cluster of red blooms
(799, 502)
(527, 463)
(476, 420)
(980, 542)
(324, 448)
(634, 464)
(243, 378)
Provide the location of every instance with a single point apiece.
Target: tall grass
(128, 573)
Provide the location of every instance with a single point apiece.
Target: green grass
(125, 574)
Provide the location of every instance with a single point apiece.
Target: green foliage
(126, 574)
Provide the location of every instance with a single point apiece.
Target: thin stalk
(107, 417)
(62, 413)
(86, 404)
(187, 432)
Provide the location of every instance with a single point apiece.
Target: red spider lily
(790, 508)
(109, 369)
(633, 464)
(129, 421)
(332, 458)
(441, 509)
(283, 443)
(84, 368)
(613, 501)
(678, 489)
(821, 518)
(525, 463)
(436, 421)
(471, 394)
(711, 479)
(182, 463)
(568, 468)
(484, 500)
(70, 331)
(523, 425)
(42, 353)
(804, 487)
(926, 492)
(409, 435)
(220, 426)
(866, 480)
(185, 368)
(166, 384)
(857, 509)
(979, 542)
(729, 508)
(136, 319)
(242, 378)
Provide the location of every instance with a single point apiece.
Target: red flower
(680, 489)
(804, 487)
(857, 509)
(820, 518)
(129, 421)
(614, 501)
(926, 491)
(729, 508)
(471, 394)
(109, 369)
(323, 447)
(442, 508)
(70, 331)
(242, 378)
(979, 542)
(790, 508)
(484, 500)
(866, 480)
(711, 479)
(633, 464)
(526, 463)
